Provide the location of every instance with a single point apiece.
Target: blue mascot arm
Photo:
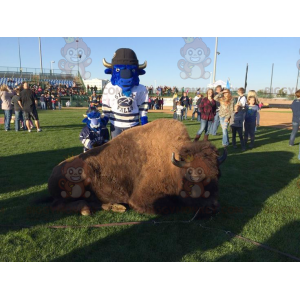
(144, 120)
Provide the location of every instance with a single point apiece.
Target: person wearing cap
(124, 100)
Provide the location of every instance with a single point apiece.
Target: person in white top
(179, 111)
(242, 99)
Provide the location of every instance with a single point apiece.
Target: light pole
(20, 55)
(51, 69)
(271, 79)
(210, 76)
(41, 62)
(215, 62)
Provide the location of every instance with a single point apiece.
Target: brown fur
(136, 168)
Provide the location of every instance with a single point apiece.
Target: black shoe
(243, 149)
(234, 146)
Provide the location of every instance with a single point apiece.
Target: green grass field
(259, 196)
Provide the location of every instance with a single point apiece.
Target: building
(99, 83)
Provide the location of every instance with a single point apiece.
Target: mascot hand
(104, 121)
(144, 120)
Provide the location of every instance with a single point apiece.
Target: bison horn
(143, 66)
(222, 158)
(106, 64)
(177, 163)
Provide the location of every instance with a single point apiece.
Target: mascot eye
(199, 171)
(71, 52)
(71, 171)
(80, 52)
(117, 70)
(190, 171)
(199, 52)
(190, 52)
(80, 172)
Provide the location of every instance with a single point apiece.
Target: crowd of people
(156, 103)
(22, 100)
(216, 108)
(49, 97)
(219, 107)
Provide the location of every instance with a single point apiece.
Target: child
(236, 123)
(242, 100)
(250, 120)
(53, 100)
(179, 111)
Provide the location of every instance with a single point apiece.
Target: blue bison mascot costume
(95, 133)
(124, 100)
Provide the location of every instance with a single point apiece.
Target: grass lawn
(259, 195)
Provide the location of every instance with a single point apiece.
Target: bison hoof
(63, 194)
(85, 211)
(114, 207)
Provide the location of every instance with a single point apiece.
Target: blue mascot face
(125, 76)
(125, 69)
(93, 120)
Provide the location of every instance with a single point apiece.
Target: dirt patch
(271, 117)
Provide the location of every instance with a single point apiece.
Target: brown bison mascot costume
(153, 168)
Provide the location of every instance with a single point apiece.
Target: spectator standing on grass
(53, 101)
(175, 99)
(179, 111)
(198, 105)
(208, 111)
(43, 103)
(242, 100)
(27, 104)
(236, 123)
(216, 123)
(296, 118)
(59, 95)
(225, 112)
(195, 106)
(18, 110)
(252, 93)
(184, 101)
(250, 121)
(5, 95)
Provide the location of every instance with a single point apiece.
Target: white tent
(218, 82)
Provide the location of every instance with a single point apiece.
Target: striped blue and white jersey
(123, 111)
